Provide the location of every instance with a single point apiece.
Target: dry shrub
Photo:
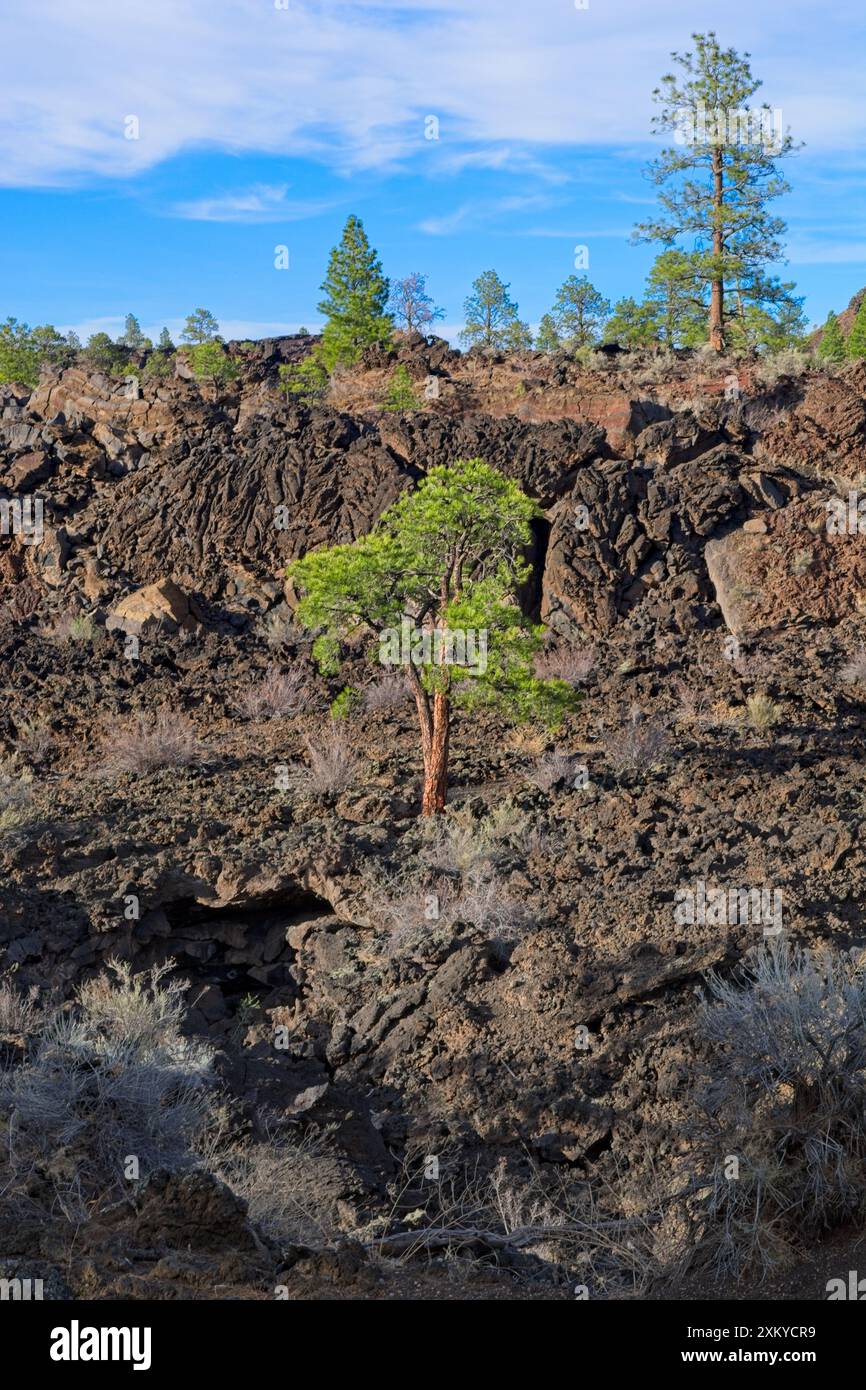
(166, 739)
(110, 1078)
(456, 844)
(277, 693)
(34, 740)
(72, 627)
(332, 763)
(15, 795)
(574, 665)
(553, 769)
(526, 741)
(474, 1212)
(639, 745)
(762, 713)
(787, 1094)
(19, 1013)
(694, 703)
(774, 367)
(410, 909)
(281, 1182)
(854, 671)
(390, 692)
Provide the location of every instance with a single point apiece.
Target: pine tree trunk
(436, 765)
(717, 286)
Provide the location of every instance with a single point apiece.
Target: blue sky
(264, 123)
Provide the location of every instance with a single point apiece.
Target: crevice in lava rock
(532, 597)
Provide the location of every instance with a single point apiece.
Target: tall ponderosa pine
(446, 558)
(855, 345)
(355, 299)
(492, 318)
(719, 176)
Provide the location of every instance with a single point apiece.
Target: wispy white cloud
(481, 212)
(351, 82)
(261, 203)
(113, 325)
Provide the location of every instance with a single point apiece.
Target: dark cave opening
(234, 952)
(532, 596)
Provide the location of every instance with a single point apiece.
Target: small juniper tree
(677, 295)
(101, 352)
(435, 582)
(632, 324)
(24, 351)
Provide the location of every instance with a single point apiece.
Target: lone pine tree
(355, 299)
(719, 176)
(436, 583)
(492, 318)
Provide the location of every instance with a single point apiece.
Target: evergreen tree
(718, 179)
(355, 300)
(445, 562)
(102, 353)
(132, 336)
(211, 363)
(165, 344)
(855, 345)
(547, 339)
(25, 350)
(579, 313)
(492, 319)
(633, 324)
(832, 345)
(677, 297)
(201, 327)
(401, 394)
